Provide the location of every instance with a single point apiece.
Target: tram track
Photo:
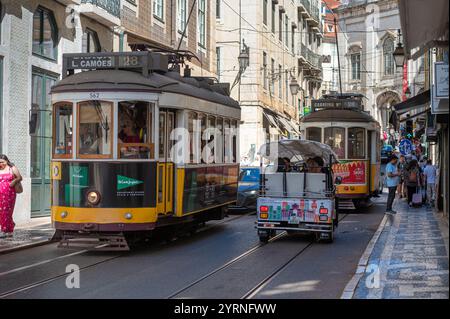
(53, 278)
(252, 292)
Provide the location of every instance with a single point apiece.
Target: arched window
(90, 42)
(388, 49)
(45, 33)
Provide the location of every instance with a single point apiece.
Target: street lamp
(294, 86)
(244, 57)
(399, 52)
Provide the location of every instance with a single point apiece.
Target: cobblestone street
(411, 255)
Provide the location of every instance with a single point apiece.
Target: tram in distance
(354, 135)
(138, 147)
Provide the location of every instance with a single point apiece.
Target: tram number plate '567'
(94, 95)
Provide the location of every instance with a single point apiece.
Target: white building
(34, 35)
(367, 41)
(284, 39)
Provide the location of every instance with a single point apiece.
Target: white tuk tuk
(297, 190)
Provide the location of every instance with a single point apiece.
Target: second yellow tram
(354, 135)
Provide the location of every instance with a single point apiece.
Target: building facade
(330, 83)
(34, 36)
(368, 39)
(284, 39)
(162, 23)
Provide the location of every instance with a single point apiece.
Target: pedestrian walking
(401, 166)
(412, 177)
(10, 184)
(392, 179)
(429, 174)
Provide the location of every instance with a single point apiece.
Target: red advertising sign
(353, 172)
(405, 80)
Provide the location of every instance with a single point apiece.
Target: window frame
(389, 54)
(313, 127)
(352, 70)
(332, 128)
(264, 8)
(364, 143)
(95, 156)
(201, 22)
(91, 33)
(181, 23)
(54, 33)
(158, 4)
(265, 77)
(54, 107)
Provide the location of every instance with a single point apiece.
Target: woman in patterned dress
(9, 177)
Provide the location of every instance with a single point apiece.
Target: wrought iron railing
(111, 6)
(312, 8)
(310, 56)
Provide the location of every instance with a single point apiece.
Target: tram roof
(338, 114)
(156, 82)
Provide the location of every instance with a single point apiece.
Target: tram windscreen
(135, 128)
(356, 143)
(95, 129)
(62, 143)
(335, 138)
(314, 134)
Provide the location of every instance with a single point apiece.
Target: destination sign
(328, 103)
(104, 62)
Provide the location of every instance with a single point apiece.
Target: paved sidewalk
(407, 258)
(37, 232)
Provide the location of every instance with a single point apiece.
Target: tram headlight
(93, 197)
(128, 215)
(63, 214)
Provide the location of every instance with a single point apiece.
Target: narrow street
(223, 260)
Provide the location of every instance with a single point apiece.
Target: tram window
(335, 137)
(193, 136)
(162, 134)
(135, 130)
(314, 134)
(62, 142)
(210, 139)
(234, 140)
(95, 129)
(202, 119)
(226, 141)
(356, 143)
(219, 140)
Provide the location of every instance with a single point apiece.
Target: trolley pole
(337, 49)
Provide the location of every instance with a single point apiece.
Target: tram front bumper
(94, 227)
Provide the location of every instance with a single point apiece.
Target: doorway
(41, 144)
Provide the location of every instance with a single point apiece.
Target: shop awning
(423, 22)
(274, 122)
(288, 125)
(411, 108)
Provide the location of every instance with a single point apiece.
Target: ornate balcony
(310, 11)
(104, 11)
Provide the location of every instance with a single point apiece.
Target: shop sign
(441, 79)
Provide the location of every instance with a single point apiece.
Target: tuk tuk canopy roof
(298, 150)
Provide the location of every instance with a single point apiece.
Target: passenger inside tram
(134, 129)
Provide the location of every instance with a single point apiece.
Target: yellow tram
(354, 135)
(136, 146)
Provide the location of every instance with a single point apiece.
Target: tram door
(165, 165)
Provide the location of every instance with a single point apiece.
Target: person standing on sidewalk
(413, 179)
(401, 183)
(430, 178)
(9, 179)
(392, 179)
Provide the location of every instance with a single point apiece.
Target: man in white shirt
(430, 174)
